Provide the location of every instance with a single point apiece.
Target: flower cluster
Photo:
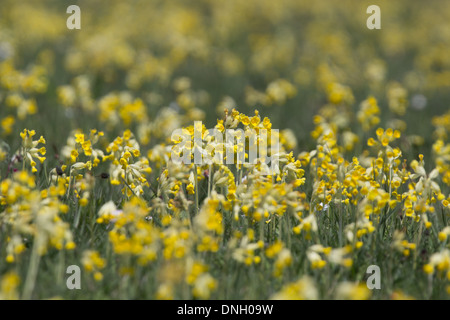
(321, 158)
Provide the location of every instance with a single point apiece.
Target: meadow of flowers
(86, 123)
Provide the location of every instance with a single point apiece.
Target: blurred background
(154, 65)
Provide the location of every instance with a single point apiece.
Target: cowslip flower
(93, 263)
(353, 291)
(108, 212)
(302, 289)
(9, 286)
(29, 150)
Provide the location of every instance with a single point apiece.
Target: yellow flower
(352, 291)
(428, 269)
(190, 188)
(8, 286)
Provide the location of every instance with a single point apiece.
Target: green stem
(418, 237)
(288, 228)
(209, 180)
(70, 183)
(60, 269)
(196, 189)
(23, 159)
(32, 272)
(77, 217)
